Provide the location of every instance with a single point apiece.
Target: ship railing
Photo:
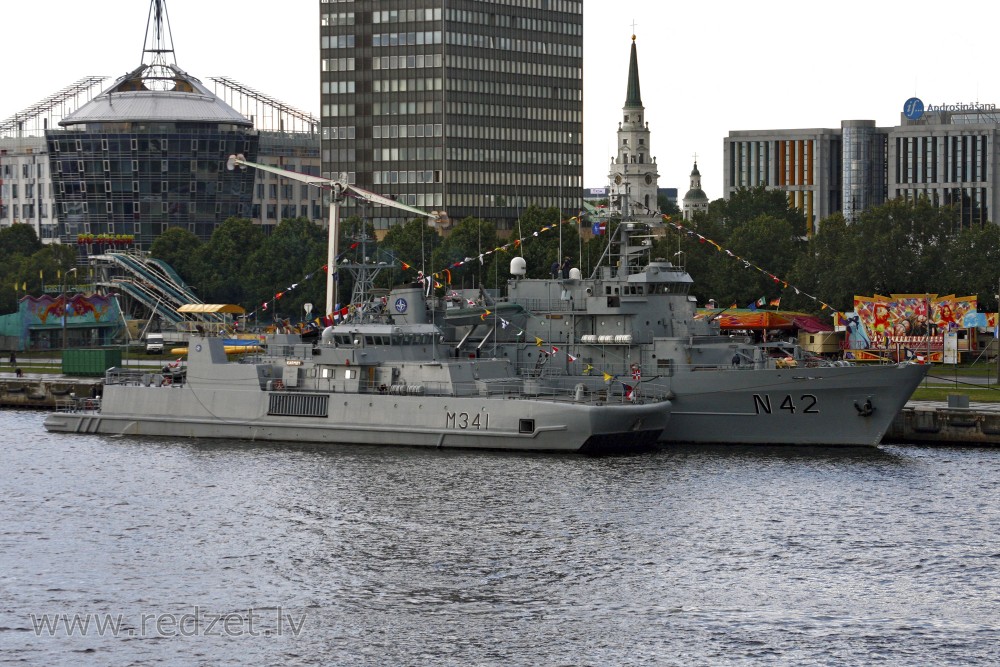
(534, 389)
(547, 305)
(78, 404)
(146, 378)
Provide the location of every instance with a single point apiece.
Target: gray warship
(376, 384)
(373, 380)
(634, 321)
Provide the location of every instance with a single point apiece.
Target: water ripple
(402, 556)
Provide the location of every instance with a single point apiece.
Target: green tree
(470, 239)
(178, 247)
(412, 243)
(828, 269)
(18, 240)
(293, 254)
(223, 273)
(971, 261)
(901, 246)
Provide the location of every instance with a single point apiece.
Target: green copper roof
(633, 98)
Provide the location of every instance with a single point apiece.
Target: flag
(752, 305)
(554, 349)
(776, 302)
(608, 377)
(486, 314)
(636, 373)
(628, 391)
(761, 302)
(586, 371)
(734, 305)
(570, 357)
(538, 341)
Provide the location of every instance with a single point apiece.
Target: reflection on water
(692, 555)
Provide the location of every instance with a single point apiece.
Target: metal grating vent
(298, 405)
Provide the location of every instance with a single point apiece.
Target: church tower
(695, 201)
(633, 169)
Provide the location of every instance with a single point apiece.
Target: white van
(154, 343)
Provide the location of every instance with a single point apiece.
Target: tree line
(899, 247)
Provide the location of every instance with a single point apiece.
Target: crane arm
(340, 188)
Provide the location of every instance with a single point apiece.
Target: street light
(65, 307)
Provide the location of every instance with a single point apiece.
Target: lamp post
(65, 307)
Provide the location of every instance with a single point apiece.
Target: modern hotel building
(947, 154)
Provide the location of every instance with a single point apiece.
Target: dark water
(385, 556)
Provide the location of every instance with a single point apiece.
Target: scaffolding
(33, 121)
(267, 113)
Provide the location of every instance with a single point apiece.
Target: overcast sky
(705, 67)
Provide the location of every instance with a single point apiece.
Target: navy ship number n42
(806, 404)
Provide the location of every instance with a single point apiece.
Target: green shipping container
(90, 363)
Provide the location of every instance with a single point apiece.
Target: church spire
(633, 98)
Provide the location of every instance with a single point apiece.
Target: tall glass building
(864, 166)
(134, 161)
(470, 107)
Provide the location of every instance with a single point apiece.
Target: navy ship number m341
(806, 404)
(463, 420)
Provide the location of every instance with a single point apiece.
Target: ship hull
(368, 419)
(843, 406)
(825, 405)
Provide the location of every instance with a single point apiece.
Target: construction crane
(339, 189)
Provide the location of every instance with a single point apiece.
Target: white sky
(705, 67)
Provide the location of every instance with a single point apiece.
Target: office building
(950, 156)
(946, 153)
(470, 107)
(804, 163)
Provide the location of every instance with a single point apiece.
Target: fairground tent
(759, 320)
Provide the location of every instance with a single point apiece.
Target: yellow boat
(230, 349)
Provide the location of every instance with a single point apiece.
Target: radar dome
(518, 267)
(575, 274)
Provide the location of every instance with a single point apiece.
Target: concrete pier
(956, 422)
(42, 391)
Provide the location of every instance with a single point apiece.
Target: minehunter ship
(373, 381)
(634, 321)
(374, 384)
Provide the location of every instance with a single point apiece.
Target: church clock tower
(633, 169)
